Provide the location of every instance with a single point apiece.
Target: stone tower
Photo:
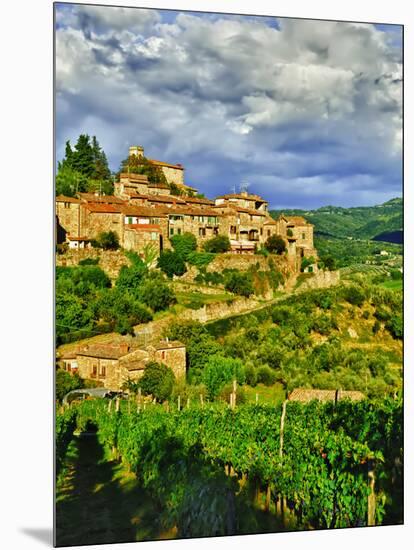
(136, 150)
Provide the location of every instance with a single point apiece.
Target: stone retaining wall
(110, 261)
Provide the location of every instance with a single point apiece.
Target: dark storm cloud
(307, 113)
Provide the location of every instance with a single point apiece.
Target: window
(103, 371)
(163, 355)
(261, 231)
(94, 371)
(179, 231)
(171, 230)
(129, 220)
(303, 235)
(268, 232)
(233, 229)
(67, 204)
(154, 235)
(201, 232)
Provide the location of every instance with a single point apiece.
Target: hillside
(365, 222)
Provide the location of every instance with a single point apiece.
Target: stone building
(114, 364)
(68, 213)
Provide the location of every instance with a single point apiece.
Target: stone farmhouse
(144, 213)
(113, 364)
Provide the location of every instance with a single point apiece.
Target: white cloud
(235, 91)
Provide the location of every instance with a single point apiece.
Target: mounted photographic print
(229, 274)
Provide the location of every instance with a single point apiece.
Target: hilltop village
(141, 212)
(144, 213)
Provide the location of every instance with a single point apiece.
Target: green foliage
(239, 283)
(107, 240)
(395, 326)
(353, 295)
(217, 245)
(306, 262)
(200, 259)
(69, 181)
(266, 376)
(171, 263)
(66, 382)
(218, 371)
(275, 244)
(157, 295)
(141, 165)
(157, 380)
(184, 244)
(89, 261)
(131, 278)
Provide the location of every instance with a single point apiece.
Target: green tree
(82, 158)
(66, 382)
(100, 162)
(157, 380)
(218, 371)
(239, 283)
(131, 278)
(69, 181)
(171, 263)
(156, 295)
(275, 244)
(218, 244)
(107, 240)
(184, 244)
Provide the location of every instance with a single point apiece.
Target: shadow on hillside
(97, 503)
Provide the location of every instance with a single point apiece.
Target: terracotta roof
(143, 227)
(296, 220)
(248, 197)
(172, 344)
(192, 211)
(195, 200)
(305, 395)
(270, 221)
(158, 186)
(166, 198)
(62, 198)
(103, 208)
(137, 210)
(139, 178)
(105, 351)
(167, 164)
(231, 207)
(77, 238)
(110, 199)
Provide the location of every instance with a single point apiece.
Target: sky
(305, 113)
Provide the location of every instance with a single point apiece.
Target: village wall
(321, 279)
(110, 261)
(173, 175)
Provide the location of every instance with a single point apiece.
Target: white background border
(27, 211)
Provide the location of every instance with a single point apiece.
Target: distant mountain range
(383, 222)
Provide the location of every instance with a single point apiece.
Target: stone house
(305, 395)
(68, 213)
(103, 217)
(113, 364)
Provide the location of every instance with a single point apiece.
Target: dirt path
(99, 502)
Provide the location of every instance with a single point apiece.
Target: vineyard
(316, 465)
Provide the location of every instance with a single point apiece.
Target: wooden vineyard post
(110, 405)
(179, 402)
(188, 402)
(117, 404)
(234, 393)
(371, 496)
(139, 400)
(281, 504)
(129, 405)
(257, 398)
(201, 400)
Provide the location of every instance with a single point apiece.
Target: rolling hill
(380, 222)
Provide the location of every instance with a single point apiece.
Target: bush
(226, 390)
(395, 326)
(220, 370)
(251, 375)
(200, 259)
(157, 380)
(156, 295)
(354, 295)
(184, 244)
(66, 382)
(266, 376)
(171, 263)
(89, 261)
(239, 283)
(218, 244)
(107, 240)
(131, 278)
(275, 244)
